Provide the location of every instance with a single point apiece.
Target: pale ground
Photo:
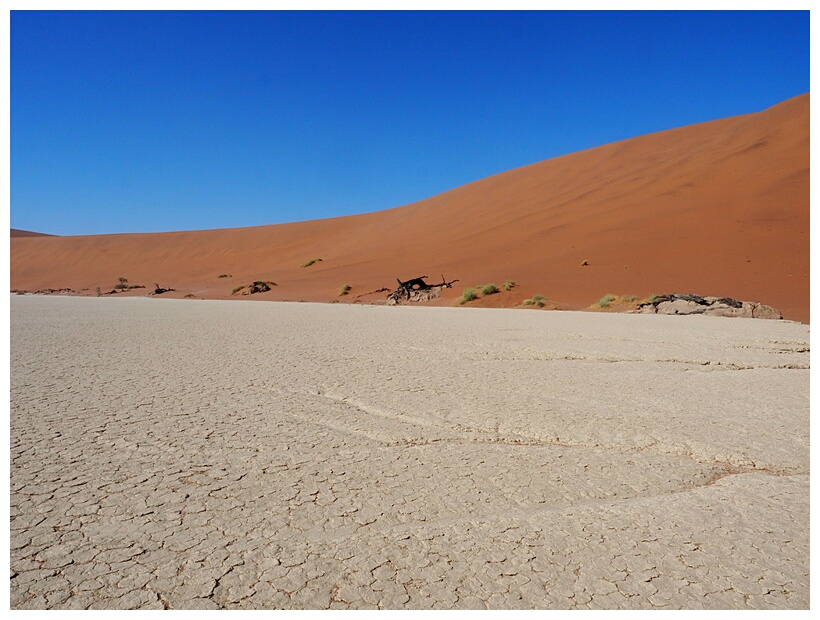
(204, 454)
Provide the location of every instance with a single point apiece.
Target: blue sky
(160, 121)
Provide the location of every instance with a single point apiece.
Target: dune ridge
(718, 208)
(17, 232)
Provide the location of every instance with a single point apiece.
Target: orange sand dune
(719, 208)
(16, 232)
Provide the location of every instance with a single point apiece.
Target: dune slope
(16, 232)
(719, 208)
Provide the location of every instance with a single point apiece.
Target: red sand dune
(719, 208)
(16, 232)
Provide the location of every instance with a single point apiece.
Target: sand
(213, 454)
(715, 209)
(16, 232)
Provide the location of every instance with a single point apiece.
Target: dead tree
(414, 286)
(158, 290)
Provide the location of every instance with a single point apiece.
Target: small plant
(629, 298)
(487, 289)
(468, 295)
(123, 285)
(224, 275)
(344, 290)
(237, 289)
(604, 301)
(537, 300)
(310, 262)
(652, 298)
(508, 285)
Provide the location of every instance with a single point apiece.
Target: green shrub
(487, 289)
(311, 261)
(468, 295)
(508, 285)
(629, 298)
(344, 290)
(537, 300)
(123, 285)
(604, 301)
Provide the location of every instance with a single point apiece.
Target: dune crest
(16, 232)
(718, 208)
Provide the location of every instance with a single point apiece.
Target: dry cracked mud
(203, 455)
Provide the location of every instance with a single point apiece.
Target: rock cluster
(715, 306)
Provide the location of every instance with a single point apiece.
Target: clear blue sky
(158, 121)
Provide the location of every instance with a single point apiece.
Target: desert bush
(487, 289)
(629, 298)
(468, 295)
(237, 289)
(311, 261)
(508, 285)
(344, 290)
(604, 301)
(537, 300)
(224, 275)
(123, 285)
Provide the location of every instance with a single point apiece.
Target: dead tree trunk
(411, 288)
(158, 290)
